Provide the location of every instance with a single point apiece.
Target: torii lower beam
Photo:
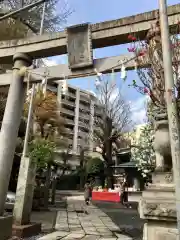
(62, 71)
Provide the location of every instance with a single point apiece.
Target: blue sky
(102, 10)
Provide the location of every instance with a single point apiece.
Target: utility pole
(32, 93)
(28, 126)
(171, 104)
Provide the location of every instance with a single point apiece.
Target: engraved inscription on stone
(79, 46)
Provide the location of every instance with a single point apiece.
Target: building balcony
(98, 111)
(67, 111)
(82, 134)
(84, 108)
(83, 125)
(68, 103)
(68, 121)
(70, 94)
(84, 139)
(85, 98)
(84, 116)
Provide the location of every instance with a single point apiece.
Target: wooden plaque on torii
(79, 46)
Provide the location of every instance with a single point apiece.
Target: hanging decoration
(46, 75)
(113, 78)
(98, 78)
(123, 72)
(44, 82)
(135, 66)
(44, 86)
(64, 86)
(98, 73)
(97, 82)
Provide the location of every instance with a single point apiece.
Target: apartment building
(78, 108)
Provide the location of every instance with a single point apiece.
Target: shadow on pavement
(126, 219)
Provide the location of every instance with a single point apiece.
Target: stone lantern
(157, 204)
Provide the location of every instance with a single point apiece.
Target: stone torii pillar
(8, 135)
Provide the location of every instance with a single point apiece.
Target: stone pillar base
(158, 207)
(28, 230)
(153, 231)
(5, 227)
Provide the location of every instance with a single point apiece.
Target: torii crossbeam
(102, 34)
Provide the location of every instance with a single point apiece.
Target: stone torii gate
(79, 42)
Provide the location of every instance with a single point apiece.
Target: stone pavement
(78, 221)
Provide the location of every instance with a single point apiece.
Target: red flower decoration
(132, 49)
(172, 46)
(130, 37)
(146, 90)
(134, 38)
(141, 53)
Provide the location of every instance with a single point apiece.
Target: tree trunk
(109, 172)
(107, 153)
(110, 178)
(53, 194)
(98, 181)
(47, 186)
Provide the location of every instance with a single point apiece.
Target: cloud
(49, 62)
(138, 108)
(53, 61)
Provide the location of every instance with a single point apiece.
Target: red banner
(106, 196)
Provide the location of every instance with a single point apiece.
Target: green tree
(47, 134)
(94, 166)
(41, 151)
(65, 157)
(143, 152)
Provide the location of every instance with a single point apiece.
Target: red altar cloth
(106, 196)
